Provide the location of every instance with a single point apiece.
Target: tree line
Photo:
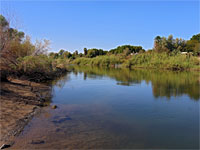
(161, 44)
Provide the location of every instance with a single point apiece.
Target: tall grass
(107, 60)
(162, 61)
(144, 60)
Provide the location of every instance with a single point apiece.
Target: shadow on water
(164, 83)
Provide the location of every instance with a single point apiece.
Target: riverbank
(20, 100)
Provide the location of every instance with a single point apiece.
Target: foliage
(85, 51)
(193, 45)
(40, 68)
(111, 60)
(163, 44)
(13, 45)
(9, 38)
(53, 55)
(30, 64)
(127, 49)
(162, 61)
(61, 52)
(67, 54)
(22, 58)
(172, 61)
(196, 37)
(95, 52)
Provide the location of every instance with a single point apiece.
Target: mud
(19, 101)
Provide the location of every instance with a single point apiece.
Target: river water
(102, 108)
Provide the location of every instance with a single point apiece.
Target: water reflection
(99, 108)
(61, 81)
(164, 83)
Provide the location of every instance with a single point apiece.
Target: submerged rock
(58, 130)
(53, 106)
(5, 146)
(61, 119)
(37, 142)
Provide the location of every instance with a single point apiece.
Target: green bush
(41, 63)
(39, 68)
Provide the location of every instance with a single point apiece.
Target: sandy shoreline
(19, 101)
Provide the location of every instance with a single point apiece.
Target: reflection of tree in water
(164, 83)
(61, 81)
(85, 76)
(167, 84)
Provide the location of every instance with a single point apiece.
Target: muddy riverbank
(20, 100)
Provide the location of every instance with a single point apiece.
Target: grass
(163, 61)
(144, 60)
(107, 60)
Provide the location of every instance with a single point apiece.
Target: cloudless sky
(73, 25)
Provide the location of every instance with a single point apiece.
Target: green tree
(67, 54)
(61, 52)
(157, 44)
(130, 48)
(196, 37)
(193, 45)
(95, 52)
(3, 22)
(170, 43)
(76, 53)
(127, 51)
(54, 55)
(85, 51)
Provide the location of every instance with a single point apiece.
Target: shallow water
(113, 109)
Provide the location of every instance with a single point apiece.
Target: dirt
(19, 101)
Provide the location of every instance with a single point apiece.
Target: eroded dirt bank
(19, 101)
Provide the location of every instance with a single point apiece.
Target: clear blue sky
(105, 24)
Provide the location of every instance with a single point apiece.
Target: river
(101, 108)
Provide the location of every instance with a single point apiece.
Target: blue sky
(73, 25)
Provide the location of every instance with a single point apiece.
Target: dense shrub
(38, 68)
(39, 63)
(126, 49)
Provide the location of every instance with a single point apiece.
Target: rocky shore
(19, 101)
